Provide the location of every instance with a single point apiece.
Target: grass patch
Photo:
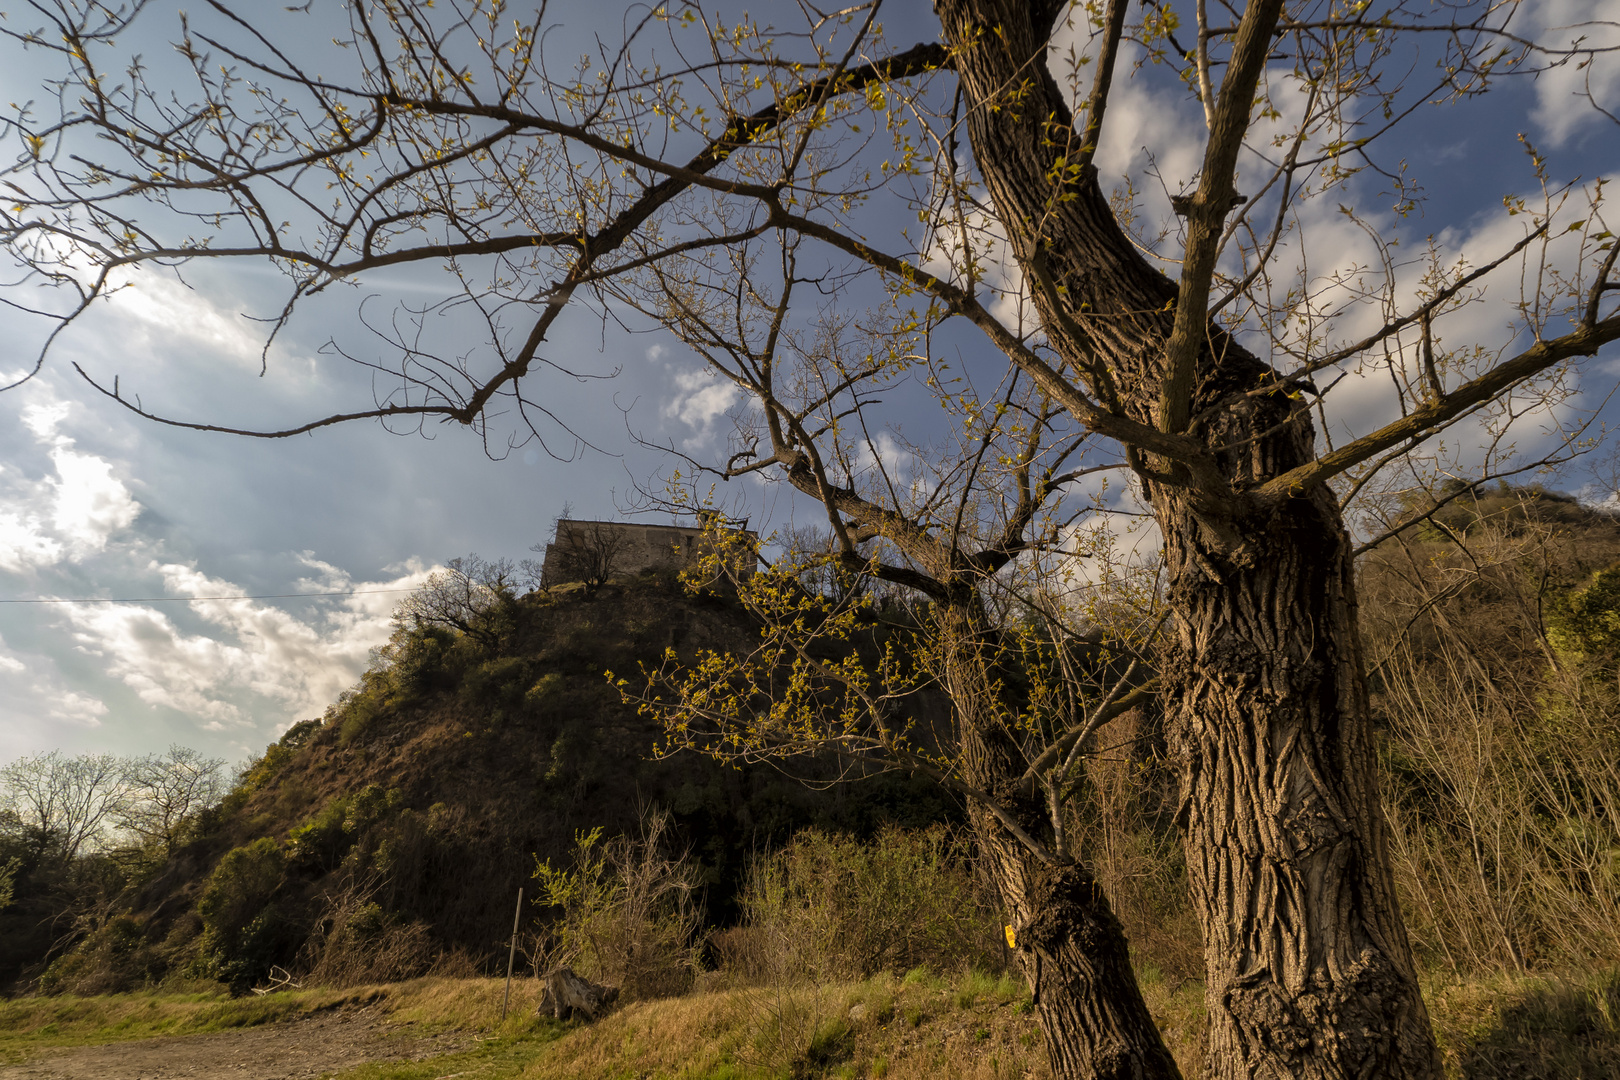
(975, 1027)
(31, 1024)
(842, 1030)
(1512, 1026)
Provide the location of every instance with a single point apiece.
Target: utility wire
(189, 599)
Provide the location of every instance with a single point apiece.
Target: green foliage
(115, 958)
(422, 659)
(300, 734)
(8, 880)
(320, 843)
(262, 771)
(832, 1043)
(244, 932)
(546, 693)
(627, 911)
(497, 686)
(832, 907)
(1586, 621)
(358, 709)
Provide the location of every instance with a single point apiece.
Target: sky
(97, 503)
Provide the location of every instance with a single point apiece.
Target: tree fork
(1309, 972)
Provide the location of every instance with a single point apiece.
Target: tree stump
(566, 996)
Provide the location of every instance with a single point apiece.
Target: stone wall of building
(598, 550)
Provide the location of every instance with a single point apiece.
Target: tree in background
(62, 806)
(584, 551)
(469, 595)
(1197, 345)
(164, 793)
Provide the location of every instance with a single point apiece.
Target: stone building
(595, 551)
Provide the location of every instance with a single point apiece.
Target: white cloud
(254, 656)
(10, 664)
(24, 542)
(72, 707)
(90, 504)
(69, 515)
(887, 453)
(1562, 109)
(701, 398)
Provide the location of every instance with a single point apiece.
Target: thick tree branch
(1419, 422)
(1206, 211)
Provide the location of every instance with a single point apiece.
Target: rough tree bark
(1069, 946)
(1309, 970)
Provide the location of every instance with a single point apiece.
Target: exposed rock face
(567, 996)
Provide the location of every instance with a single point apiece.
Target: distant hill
(395, 831)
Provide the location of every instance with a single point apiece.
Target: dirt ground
(307, 1047)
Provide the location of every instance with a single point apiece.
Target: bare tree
(166, 792)
(467, 596)
(64, 804)
(1197, 346)
(585, 551)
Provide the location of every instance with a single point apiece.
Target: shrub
(116, 958)
(244, 932)
(496, 684)
(831, 907)
(629, 911)
(322, 842)
(358, 941)
(422, 659)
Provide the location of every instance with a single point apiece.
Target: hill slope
(397, 828)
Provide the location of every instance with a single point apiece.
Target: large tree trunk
(1068, 944)
(1309, 970)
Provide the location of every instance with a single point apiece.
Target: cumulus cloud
(72, 707)
(701, 398)
(68, 515)
(226, 663)
(1565, 95)
(248, 654)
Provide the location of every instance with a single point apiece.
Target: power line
(190, 599)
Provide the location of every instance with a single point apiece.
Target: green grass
(1508, 1027)
(971, 1027)
(30, 1024)
(836, 1032)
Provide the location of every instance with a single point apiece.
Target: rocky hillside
(392, 834)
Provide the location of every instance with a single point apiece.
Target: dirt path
(298, 1049)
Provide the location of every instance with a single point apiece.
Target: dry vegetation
(1493, 631)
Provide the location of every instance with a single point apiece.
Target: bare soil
(307, 1047)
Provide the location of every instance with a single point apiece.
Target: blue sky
(95, 502)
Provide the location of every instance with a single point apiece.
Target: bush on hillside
(628, 911)
(245, 932)
(831, 907)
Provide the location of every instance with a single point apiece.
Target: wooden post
(512, 953)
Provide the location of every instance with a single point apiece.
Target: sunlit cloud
(1566, 94)
(65, 516)
(701, 398)
(247, 654)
